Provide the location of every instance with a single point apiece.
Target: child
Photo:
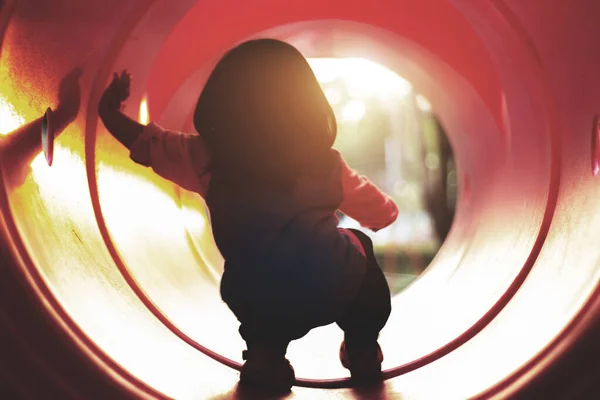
(265, 166)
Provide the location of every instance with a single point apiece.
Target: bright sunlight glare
(354, 111)
(362, 77)
(9, 118)
(333, 96)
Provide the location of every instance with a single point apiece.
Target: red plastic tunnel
(109, 275)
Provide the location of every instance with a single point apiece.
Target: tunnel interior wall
(525, 159)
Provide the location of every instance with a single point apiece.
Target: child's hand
(118, 90)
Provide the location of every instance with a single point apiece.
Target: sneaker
(363, 362)
(267, 368)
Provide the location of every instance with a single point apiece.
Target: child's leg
(267, 338)
(274, 333)
(365, 318)
(371, 309)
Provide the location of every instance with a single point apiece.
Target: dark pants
(361, 322)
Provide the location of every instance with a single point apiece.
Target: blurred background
(390, 133)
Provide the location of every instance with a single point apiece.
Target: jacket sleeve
(181, 158)
(364, 202)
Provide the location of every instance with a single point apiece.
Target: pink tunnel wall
(511, 294)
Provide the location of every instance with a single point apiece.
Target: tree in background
(440, 190)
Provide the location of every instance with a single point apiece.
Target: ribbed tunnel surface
(123, 262)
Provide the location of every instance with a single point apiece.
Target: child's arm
(179, 157)
(364, 202)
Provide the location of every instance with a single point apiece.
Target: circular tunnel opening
(390, 133)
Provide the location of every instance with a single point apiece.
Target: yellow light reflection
(144, 114)
(10, 119)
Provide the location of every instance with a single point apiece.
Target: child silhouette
(264, 163)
